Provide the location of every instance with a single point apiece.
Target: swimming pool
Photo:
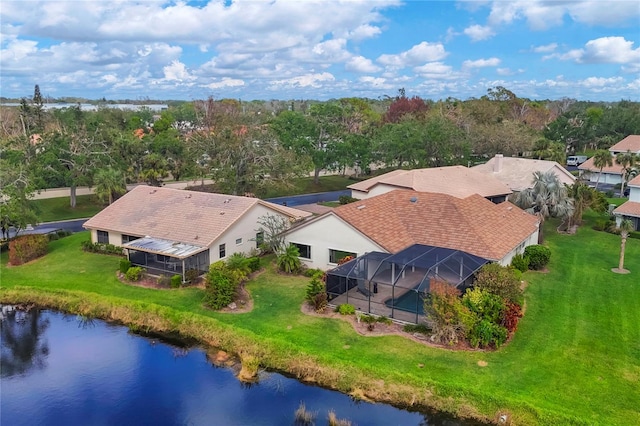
(409, 302)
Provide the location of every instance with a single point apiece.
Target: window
(305, 250)
(238, 241)
(259, 239)
(336, 256)
(103, 237)
(223, 250)
(128, 238)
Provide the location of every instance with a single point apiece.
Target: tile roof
(458, 181)
(635, 181)
(517, 172)
(189, 217)
(630, 208)
(630, 143)
(401, 218)
(615, 169)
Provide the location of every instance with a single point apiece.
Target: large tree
(601, 159)
(546, 198)
(625, 227)
(628, 161)
(109, 183)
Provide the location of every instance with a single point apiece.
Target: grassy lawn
(53, 209)
(575, 358)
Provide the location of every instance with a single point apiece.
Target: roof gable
(630, 143)
(191, 217)
(518, 172)
(401, 218)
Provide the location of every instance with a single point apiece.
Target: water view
(61, 369)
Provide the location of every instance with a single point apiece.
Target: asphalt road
(44, 228)
(298, 200)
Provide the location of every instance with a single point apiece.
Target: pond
(62, 369)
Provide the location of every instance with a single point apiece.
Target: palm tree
(601, 159)
(288, 260)
(547, 198)
(109, 182)
(627, 160)
(625, 227)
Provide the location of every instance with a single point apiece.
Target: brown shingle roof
(472, 224)
(190, 217)
(630, 143)
(630, 208)
(458, 181)
(635, 181)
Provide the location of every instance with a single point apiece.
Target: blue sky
(305, 49)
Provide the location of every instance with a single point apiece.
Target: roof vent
(361, 207)
(153, 191)
(188, 196)
(221, 213)
(227, 201)
(413, 199)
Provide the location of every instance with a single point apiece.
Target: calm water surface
(59, 370)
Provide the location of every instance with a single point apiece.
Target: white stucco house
(172, 230)
(395, 220)
(631, 208)
(517, 173)
(458, 181)
(611, 174)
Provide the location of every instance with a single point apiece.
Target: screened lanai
(394, 285)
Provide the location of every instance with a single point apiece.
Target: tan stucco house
(395, 220)
(631, 208)
(611, 174)
(517, 173)
(172, 230)
(458, 181)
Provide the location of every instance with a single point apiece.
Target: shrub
(450, 319)
(239, 262)
(512, 315)
(176, 281)
(221, 285)
(634, 234)
(101, 248)
(26, 248)
(538, 256)
(125, 264)
(135, 273)
(316, 294)
(417, 328)
(486, 305)
(485, 333)
(370, 320)
(289, 261)
(164, 280)
(190, 275)
(346, 309)
(601, 224)
(345, 199)
(382, 319)
(253, 263)
(520, 262)
(503, 281)
(313, 271)
(53, 237)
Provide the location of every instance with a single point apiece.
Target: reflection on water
(24, 346)
(66, 370)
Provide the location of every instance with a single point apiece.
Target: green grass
(575, 358)
(54, 209)
(307, 186)
(617, 201)
(330, 203)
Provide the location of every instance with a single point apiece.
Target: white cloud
(363, 32)
(481, 63)
(308, 80)
(376, 82)
(479, 32)
(605, 50)
(418, 54)
(508, 71)
(435, 70)
(225, 82)
(600, 82)
(177, 71)
(361, 64)
(547, 48)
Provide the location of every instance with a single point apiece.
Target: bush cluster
(125, 264)
(135, 273)
(538, 256)
(223, 281)
(164, 280)
(346, 309)
(176, 281)
(102, 248)
(316, 293)
(60, 233)
(345, 199)
(190, 275)
(520, 262)
(484, 316)
(289, 261)
(26, 248)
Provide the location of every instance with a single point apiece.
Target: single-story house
(172, 230)
(611, 174)
(631, 208)
(517, 173)
(395, 220)
(458, 181)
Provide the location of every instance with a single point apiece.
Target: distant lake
(59, 369)
(92, 107)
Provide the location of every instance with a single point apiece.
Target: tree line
(247, 147)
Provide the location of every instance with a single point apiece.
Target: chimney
(497, 165)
